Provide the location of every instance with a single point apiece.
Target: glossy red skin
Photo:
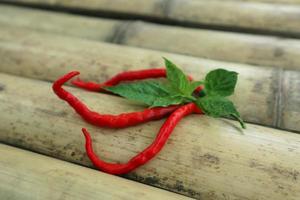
(124, 76)
(148, 153)
(107, 120)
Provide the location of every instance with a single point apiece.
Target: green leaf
(168, 87)
(166, 101)
(220, 82)
(218, 106)
(145, 91)
(152, 93)
(177, 78)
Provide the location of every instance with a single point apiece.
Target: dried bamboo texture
(281, 18)
(272, 1)
(59, 23)
(204, 158)
(26, 175)
(219, 45)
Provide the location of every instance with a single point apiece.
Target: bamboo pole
(46, 57)
(26, 175)
(282, 18)
(219, 45)
(273, 1)
(153, 8)
(290, 103)
(204, 158)
(65, 24)
(249, 15)
(226, 46)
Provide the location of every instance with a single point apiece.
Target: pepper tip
(85, 133)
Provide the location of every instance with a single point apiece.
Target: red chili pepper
(124, 76)
(105, 120)
(148, 153)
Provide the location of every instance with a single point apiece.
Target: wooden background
(205, 158)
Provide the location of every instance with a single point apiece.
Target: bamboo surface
(219, 45)
(27, 176)
(214, 159)
(226, 46)
(59, 23)
(258, 96)
(204, 158)
(273, 1)
(282, 18)
(290, 103)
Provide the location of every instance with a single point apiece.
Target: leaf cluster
(178, 89)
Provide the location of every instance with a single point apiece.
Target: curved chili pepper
(105, 120)
(148, 153)
(124, 76)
